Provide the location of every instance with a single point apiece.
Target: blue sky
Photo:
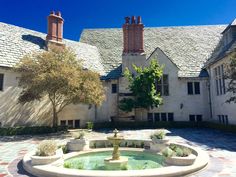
(80, 14)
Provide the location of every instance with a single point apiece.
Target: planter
(44, 160)
(181, 161)
(160, 141)
(77, 144)
(159, 144)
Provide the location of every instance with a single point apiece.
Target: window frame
(113, 88)
(219, 80)
(194, 88)
(162, 84)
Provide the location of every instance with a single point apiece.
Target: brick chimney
(55, 27)
(133, 35)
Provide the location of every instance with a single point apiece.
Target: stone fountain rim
(52, 170)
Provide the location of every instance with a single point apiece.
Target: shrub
(142, 144)
(180, 151)
(160, 134)
(46, 148)
(124, 167)
(167, 152)
(79, 135)
(186, 152)
(10, 131)
(64, 148)
(76, 164)
(89, 125)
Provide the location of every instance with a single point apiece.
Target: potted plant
(178, 155)
(159, 140)
(46, 153)
(77, 142)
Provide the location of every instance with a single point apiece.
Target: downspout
(118, 95)
(209, 93)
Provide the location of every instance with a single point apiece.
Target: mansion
(193, 85)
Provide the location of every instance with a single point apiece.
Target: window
(70, 123)
(226, 120)
(192, 118)
(163, 117)
(150, 117)
(77, 123)
(219, 80)
(1, 81)
(162, 86)
(63, 122)
(190, 88)
(170, 117)
(195, 118)
(199, 118)
(223, 119)
(156, 117)
(113, 88)
(193, 88)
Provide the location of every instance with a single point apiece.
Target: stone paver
(220, 146)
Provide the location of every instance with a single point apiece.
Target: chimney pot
(52, 12)
(127, 20)
(139, 20)
(133, 19)
(58, 13)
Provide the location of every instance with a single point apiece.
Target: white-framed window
(162, 86)
(219, 80)
(163, 116)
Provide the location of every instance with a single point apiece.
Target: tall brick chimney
(55, 27)
(133, 35)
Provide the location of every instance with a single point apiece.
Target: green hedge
(222, 127)
(138, 125)
(10, 131)
(175, 124)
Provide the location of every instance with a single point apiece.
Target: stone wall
(35, 113)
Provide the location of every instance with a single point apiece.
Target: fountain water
(116, 161)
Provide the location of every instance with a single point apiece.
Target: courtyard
(220, 146)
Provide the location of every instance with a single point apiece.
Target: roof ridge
(151, 27)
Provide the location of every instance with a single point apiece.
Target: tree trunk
(55, 117)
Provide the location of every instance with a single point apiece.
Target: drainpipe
(209, 93)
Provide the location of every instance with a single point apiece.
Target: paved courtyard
(220, 146)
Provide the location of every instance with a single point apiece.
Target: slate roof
(188, 47)
(220, 52)
(16, 41)
(221, 49)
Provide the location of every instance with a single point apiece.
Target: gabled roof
(233, 23)
(188, 47)
(16, 41)
(220, 52)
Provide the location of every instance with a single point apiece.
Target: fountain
(116, 161)
(100, 161)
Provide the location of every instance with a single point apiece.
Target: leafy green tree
(58, 75)
(143, 87)
(231, 76)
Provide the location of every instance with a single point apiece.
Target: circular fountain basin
(161, 170)
(133, 160)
